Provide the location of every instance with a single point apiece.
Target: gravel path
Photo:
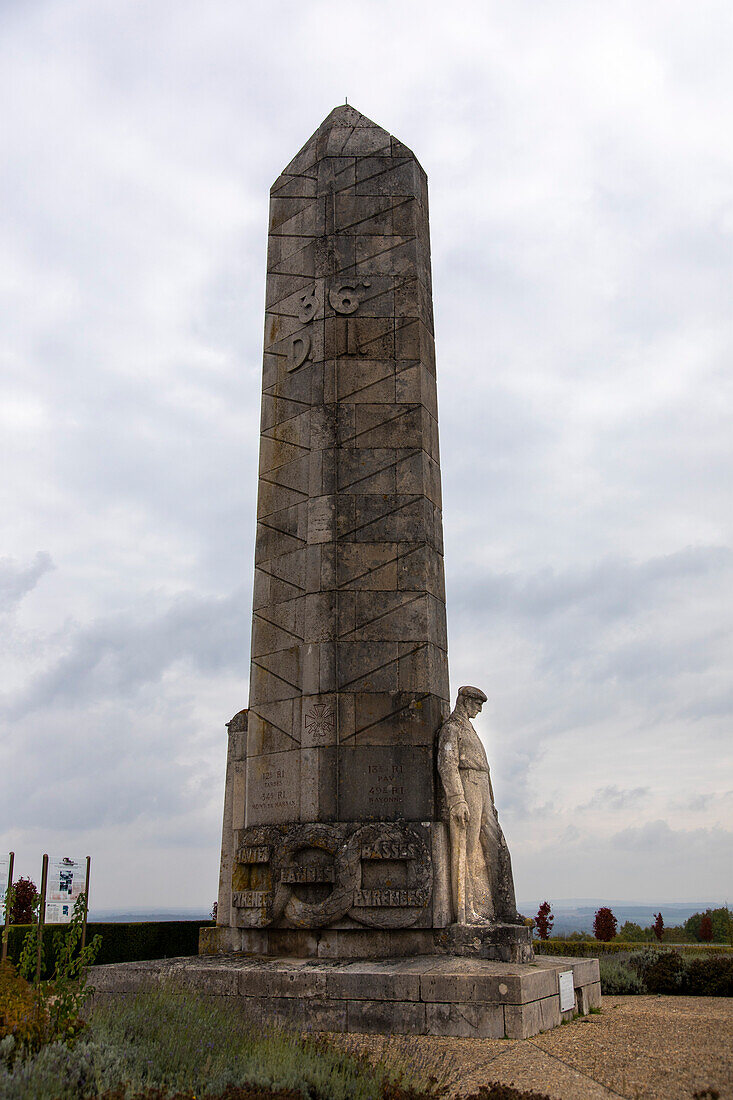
(640, 1048)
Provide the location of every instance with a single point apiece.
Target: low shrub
(710, 977)
(164, 1042)
(23, 1020)
(666, 974)
(619, 977)
(671, 972)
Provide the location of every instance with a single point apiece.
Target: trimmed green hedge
(591, 949)
(132, 942)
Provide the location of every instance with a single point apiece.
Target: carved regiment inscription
(386, 785)
(250, 899)
(343, 296)
(274, 786)
(314, 875)
(376, 898)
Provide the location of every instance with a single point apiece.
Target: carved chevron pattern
(347, 561)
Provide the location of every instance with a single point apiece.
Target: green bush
(132, 942)
(666, 974)
(619, 977)
(671, 972)
(656, 969)
(710, 977)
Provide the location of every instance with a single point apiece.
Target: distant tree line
(712, 926)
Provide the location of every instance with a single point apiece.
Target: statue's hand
(460, 814)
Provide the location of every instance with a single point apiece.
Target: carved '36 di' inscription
(344, 297)
(299, 351)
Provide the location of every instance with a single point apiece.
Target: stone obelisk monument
(332, 816)
(361, 848)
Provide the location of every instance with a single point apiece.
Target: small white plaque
(567, 990)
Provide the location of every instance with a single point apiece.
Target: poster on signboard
(66, 878)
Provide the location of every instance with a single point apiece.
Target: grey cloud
(16, 581)
(606, 591)
(718, 801)
(613, 798)
(658, 835)
(116, 657)
(643, 861)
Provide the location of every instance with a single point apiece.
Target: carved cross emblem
(320, 721)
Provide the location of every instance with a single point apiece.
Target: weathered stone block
(465, 1020)
(588, 997)
(301, 1013)
(523, 1021)
(460, 980)
(378, 981)
(383, 718)
(296, 979)
(273, 793)
(386, 1017)
(385, 783)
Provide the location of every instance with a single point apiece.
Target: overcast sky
(581, 167)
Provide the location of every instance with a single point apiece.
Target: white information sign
(66, 878)
(567, 990)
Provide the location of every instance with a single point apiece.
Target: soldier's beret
(473, 693)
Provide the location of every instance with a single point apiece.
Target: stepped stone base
(500, 942)
(424, 995)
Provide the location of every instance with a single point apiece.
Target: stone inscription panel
(273, 788)
(385, 783)
(378, 874)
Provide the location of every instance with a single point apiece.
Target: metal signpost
(41, 915)
(8, 896)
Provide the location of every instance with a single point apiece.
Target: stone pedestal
(438, 995)
(509, 943)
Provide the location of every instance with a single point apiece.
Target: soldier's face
(473, 706)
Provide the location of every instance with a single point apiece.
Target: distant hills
(119, 916)
(576, 914)
(571, 914)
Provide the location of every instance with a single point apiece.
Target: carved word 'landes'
(379, 874)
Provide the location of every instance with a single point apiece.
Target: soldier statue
(482, 887)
